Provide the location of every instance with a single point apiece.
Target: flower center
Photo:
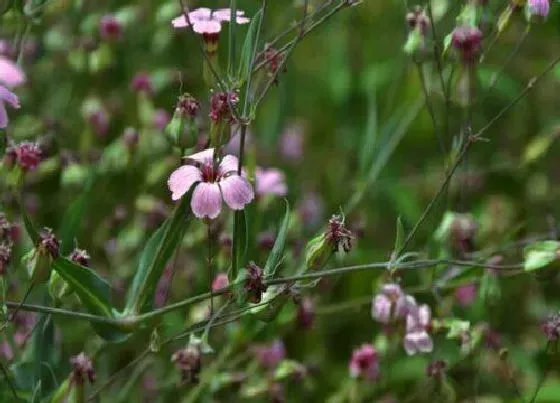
(208, 172)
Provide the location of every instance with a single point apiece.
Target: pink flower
(310, 209)
(270, 355)
(110, 28)
(27, 155)
(161, 119)
(417, 338)
(466, 294)
(391, 303)
(270, 181)
(220, 281)
(212, 184)
(207, 21)
(10, 76)
(291, 143)
(365, 363)
(538, 8)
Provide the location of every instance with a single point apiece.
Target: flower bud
(5, 257)
(467, 40)
(188, 362)
(182, 131)
(321, 248)
(110, 29)
(42, 256)
(254, 285)
(537, 10)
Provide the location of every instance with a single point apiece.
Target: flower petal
(228, 164)
(207, 27)
(206, 200)
(410, 344)
(182, 179)
(9, 97)
(3, 116)
(237, 191)
(202, 13)
(179, 22)
(10, 73)
(224, 14)
(203, 156)
(424, 343)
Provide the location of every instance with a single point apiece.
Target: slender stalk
(543, 376)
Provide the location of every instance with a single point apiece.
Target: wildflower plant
(167, 173)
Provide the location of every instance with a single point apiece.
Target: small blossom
(187, 106)
(27, 155)
(417, 338)
(160, 119)
(10, 76)
(338, 235)
(270, 355)
(254, 283)
(6, 351)
(110, 28)
(417, 19)
(207, 21)
(82, 367)
(306, 313)
(391, 303)
(188, 362)
(465, 295)
(365, 363)
(130, 137)
(311, 209)
(5, 257)
(142, 82)
(80, 256)
(292, 142)
(211, 184)
(467, 40)
(436, 369)
(270, 181)
(551, 327)
(273, 59)
(266, 240)
(48, 242)
(537, 8)
(220, 281)
(221, 104)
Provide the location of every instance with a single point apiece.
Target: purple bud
(142, 82)
(338, 235)
(266, 240)
(188, 362)
(188, 106)
(254, 283)
(220, 106)
(365, 363)
(110, 28)
(538, 8)
(82, 367)
(551, 327)
(5, 257)
(436, 369)
(130, 137)
(48, 242)
(270, 355)
(27, 155)
(80, 256)
(467, 40)
(306, 313)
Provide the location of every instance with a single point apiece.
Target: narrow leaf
(154, 257)
(541, 254)
(278, 249)
(74, 216)
(241, 243)
(248, 47)
(399, 238)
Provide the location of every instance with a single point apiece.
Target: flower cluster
(393, 304)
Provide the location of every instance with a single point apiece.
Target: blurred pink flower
(6, 351)
(27, 155)
(291, 143)
(220, 281)
(311, 209)
(160, 119)
(417, 338)
(466, 294)
(391, 303)
(212, 185)
(207, 21)
(269, 355)
(270, 181)
(538, 8)
(365, 363)
(10, 76)
(110, 28)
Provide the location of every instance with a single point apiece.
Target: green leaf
(154, 257)
(249, 47)
(278, 250)
(399, 238)
(29, 227)
(94, 293)
(541, 254)
(74, 216)
(241, 241)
